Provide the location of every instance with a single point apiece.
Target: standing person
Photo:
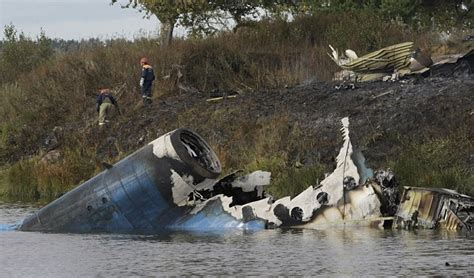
(104, 104)
(146, 80)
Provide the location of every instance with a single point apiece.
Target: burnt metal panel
(434, 207)
(383, 60)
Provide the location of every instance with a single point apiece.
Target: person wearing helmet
(146, 80)
(104, 104)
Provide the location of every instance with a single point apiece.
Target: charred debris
(172, 184)
(395, 63)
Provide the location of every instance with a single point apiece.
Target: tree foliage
(207, 17)
(20, 54)
(201, 17)
(168, 12)
(442, 13)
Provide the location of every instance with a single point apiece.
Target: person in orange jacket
(146, 80)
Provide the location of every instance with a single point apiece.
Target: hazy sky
(75, 19)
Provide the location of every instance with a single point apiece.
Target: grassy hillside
(54, 94)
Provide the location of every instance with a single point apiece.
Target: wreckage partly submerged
(171, 184)
(434, 208)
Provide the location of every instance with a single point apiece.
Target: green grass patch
(19, 181)
(35, 179)
(293, 181)
(436, 163)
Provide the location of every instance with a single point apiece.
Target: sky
(75, 19)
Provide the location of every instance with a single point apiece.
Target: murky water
(341, 252)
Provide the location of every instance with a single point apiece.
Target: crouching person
(104, 104)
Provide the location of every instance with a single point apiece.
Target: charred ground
(423, 109)
(300, 125)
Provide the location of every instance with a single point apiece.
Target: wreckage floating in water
(171, 184)
(434, 208)
(142, 192)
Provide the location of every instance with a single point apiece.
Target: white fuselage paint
(162, 147)
(332, 184)
(253, 181)
(361, 208)
(183, 186)
(360, 203)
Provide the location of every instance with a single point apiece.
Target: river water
(339, 252)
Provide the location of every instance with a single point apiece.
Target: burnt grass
(384, 118)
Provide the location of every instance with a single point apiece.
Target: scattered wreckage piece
(420, 60)
(386, 187)
(389, 67)
(361, 207)
(345, 86)
(221, 98)
(385, 60)
(448, 65)
(434, 208)
(396, 61)
(453, 65)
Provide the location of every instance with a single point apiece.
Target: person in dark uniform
(104, 104)
(146, 80)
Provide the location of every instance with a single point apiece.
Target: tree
(168, 12)
(449, 12)
(239, 10)
(20, 54)
(445, 13)
(201, 15)
(221, 14)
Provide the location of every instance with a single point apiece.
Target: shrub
(41, 180)
(21, 183)
(435, 163)
(20, 54)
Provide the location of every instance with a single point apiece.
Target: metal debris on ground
(220, 98)
(345, 86)
(217, 94)
(398, 61)
(377, 64)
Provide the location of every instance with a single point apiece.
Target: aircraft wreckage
(171, 184)
(396, 61)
